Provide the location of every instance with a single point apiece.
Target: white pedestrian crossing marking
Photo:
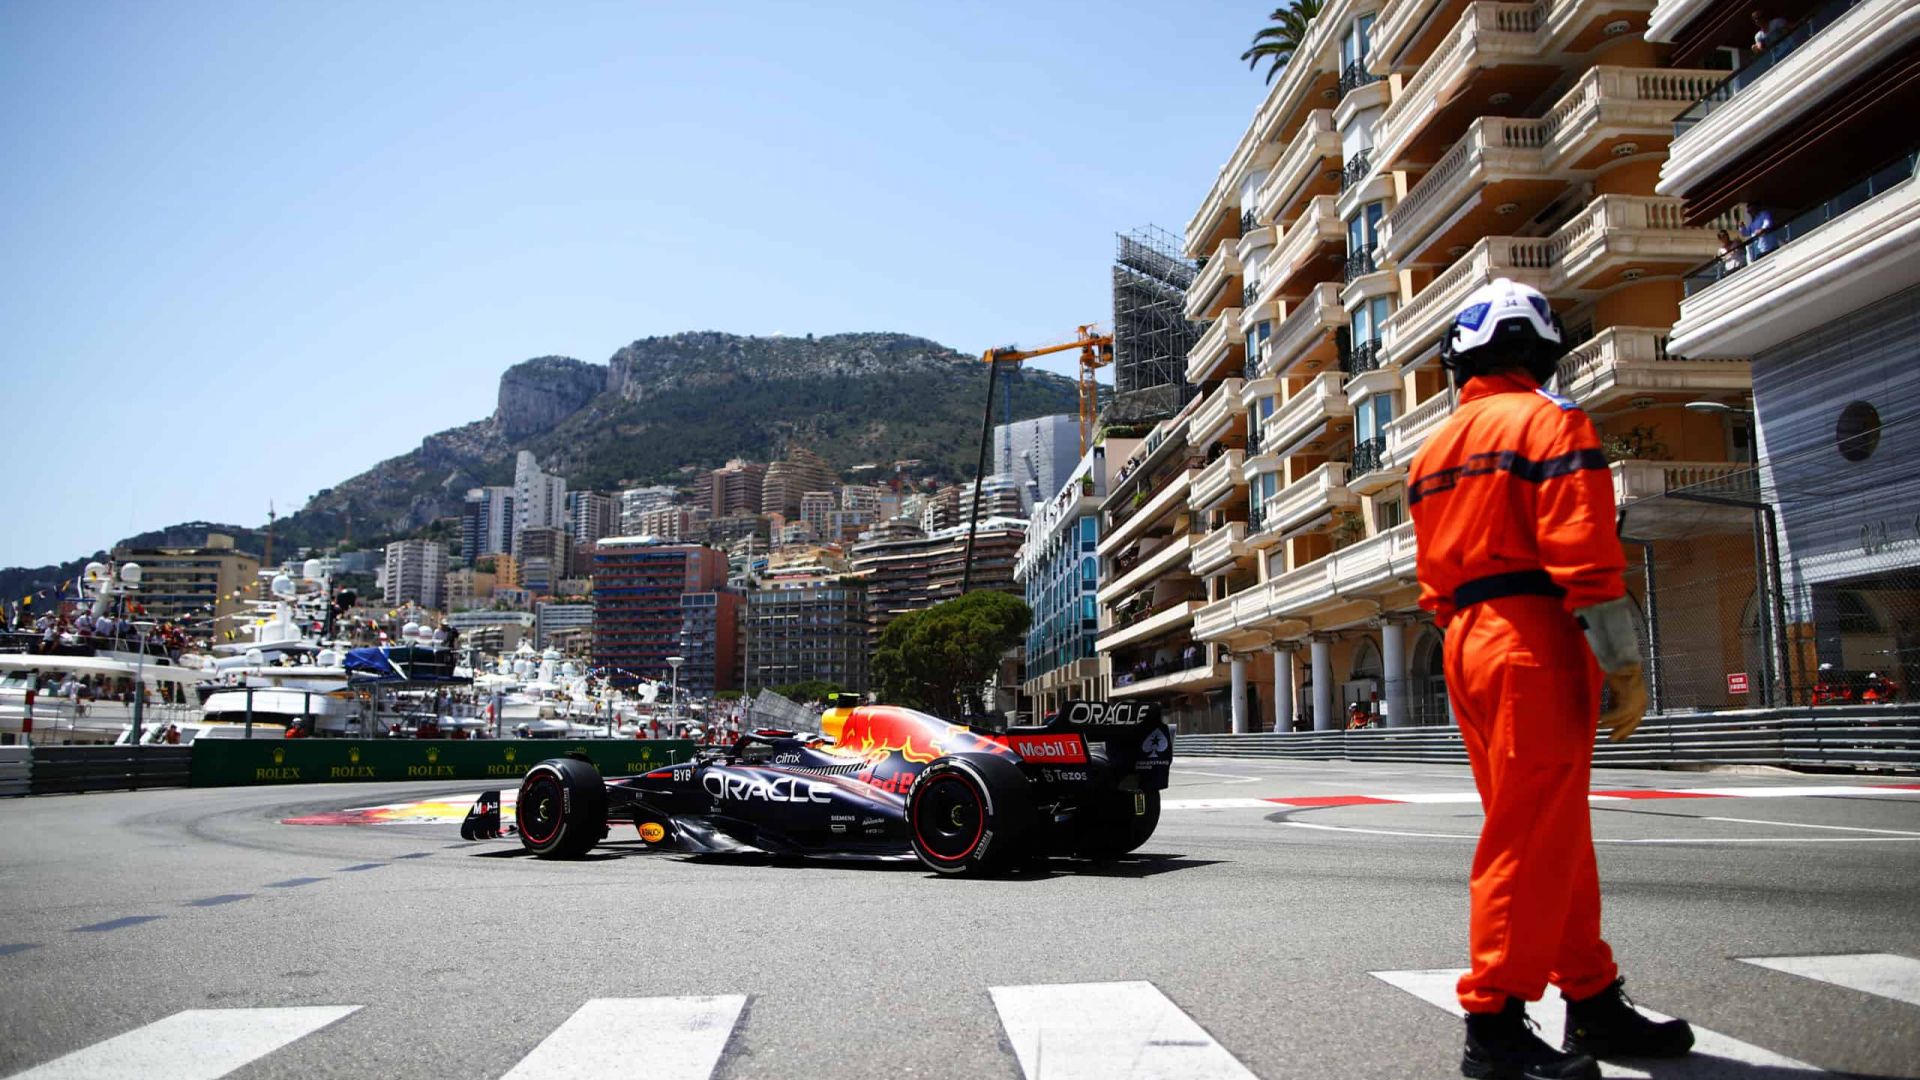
(1714, 1055)
(197, 1044)
(1882, 974)
(666, 1038)
(1105, 1031)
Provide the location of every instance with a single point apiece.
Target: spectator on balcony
(1759, 232)
(1767, 32)
(1732, 256)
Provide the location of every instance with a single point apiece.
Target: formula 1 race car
(881, 781)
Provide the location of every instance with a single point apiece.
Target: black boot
(1503, 1046)
(1607, 1025)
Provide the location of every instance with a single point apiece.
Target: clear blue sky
(252, 249)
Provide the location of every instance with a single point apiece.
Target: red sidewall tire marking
(980, 825)
(558, 820)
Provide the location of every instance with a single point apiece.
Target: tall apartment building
(1036, 455)
(195, 588)
(1059, 569)
(734, 489)
(940, 509)
(591, 516)
(913, 574)
(637, 613)
(551, 619)
(868, 497)
(416, 572)
(637, 501)
(1814, 134)
(814, 508)
(1410, 152)
(486, 522)
(467, 588)
(544, 555)
(807, 623)
(710, 622)
(539, 500)
(1000, 496)
(788, 480)
(675, 523)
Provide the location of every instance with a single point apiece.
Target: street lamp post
(674, 662)
(130, 580)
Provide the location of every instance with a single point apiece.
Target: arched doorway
(1429, 677)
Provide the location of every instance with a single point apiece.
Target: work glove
(1628, 688)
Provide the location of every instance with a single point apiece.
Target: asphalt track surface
(1244, 940)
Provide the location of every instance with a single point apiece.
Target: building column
(1393, 658)
(1237, 666)
(1282, 688)
(1324, 718)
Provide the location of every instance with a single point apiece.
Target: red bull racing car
(881, 781)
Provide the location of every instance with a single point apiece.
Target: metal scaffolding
(1151, 334)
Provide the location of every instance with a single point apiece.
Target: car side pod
(483, 821)
(970, 814)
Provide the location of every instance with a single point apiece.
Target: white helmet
(1504, 324)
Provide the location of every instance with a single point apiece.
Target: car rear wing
(1129, 735)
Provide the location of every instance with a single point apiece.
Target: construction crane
(1096, 352)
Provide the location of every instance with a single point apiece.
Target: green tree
(810, 690)
(941, 658)
(1277, 43)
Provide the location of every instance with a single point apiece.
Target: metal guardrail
(15, 768)
(53, 770)
(1885, 738)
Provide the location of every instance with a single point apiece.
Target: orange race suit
(1513, 509)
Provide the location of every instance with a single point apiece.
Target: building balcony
(1176, 616)
(1217, 286)
(1407, 432)
(1511, 168)
(1420, 322)
(1218, 351)
(1304, 418)
(1301, 260)
(1623, 237)
(1222, 549)
(1487, 35)
(1400, 24)
(1848, 252)
(1306, 504)
(1134, 525)
(1289, 604)
(1304, 341)
(1645, 515)
(1213, 420)
(1750, 107)
(1367, 371)
(1627, 361)
(1218, 481)
(1181, 680)
(1371, 471)
(1254, 242)
(1151, 567)
(1306, 168)
(1357, 166)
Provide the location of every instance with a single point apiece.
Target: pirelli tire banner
(232, 762)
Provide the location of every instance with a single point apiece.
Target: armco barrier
(227, 762)
(1874, 738)
(15, 768)
(65, 769)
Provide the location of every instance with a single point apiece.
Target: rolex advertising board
(227, 762)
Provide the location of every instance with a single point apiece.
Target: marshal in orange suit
(1521, 565)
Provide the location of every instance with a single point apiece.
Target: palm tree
(1277, 42)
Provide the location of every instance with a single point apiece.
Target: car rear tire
(970, 814)
(562, 809)
(1119, 822)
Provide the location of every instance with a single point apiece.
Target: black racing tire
(562, 810)
(1119, 822)
(970, 814)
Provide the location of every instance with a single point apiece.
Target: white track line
(1106, 1031)
(669, 1038)
(1881, 974)
(197, 1044)
(1714, 1055)
(1805, 825)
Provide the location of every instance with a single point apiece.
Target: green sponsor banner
(228, 762)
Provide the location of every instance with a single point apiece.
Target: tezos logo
(1156, 744)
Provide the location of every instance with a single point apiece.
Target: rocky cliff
(537, 394)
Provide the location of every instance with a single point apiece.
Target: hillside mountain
(662, 408)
